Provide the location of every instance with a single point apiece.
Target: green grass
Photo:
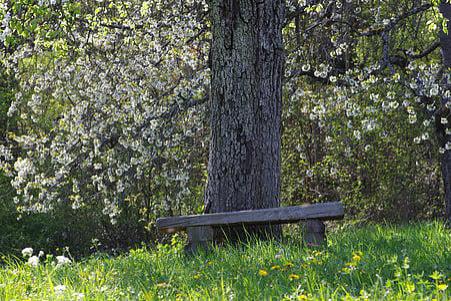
(366, 263)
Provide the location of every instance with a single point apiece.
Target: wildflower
(293, 277)
(62, 260)
(443, 120)
(162, 285)
(263, 272)
(197, 276)
(78, 296)
(59, 289)
(33, 261)
(27, 252)
(302, 297)
(442, 287)
(41, 254)
(357, 256)
(288, 264)
(275, 267)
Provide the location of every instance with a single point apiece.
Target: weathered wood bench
(200, 227)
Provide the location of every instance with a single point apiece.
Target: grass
(411, 262)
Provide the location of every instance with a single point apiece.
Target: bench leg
(199, 238)
(314, 232)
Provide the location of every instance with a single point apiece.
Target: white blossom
(27, 252)
(33, 261)
(62, 260)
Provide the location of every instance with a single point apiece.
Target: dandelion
(356, 257)
(33, 261)
(275, 267)
(263, 272)
(442, 287)
(27, 252)
(293, 277)
(302, 297)
(288, 264)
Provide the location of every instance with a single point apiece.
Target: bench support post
(314, 232)
(199, 237)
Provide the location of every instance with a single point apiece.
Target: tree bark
(246, 98)
(445, 41)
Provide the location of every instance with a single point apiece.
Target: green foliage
(359, 263)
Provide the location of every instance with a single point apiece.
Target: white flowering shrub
(367, 107)
(111, 120)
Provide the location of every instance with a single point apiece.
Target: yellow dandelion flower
(356, 257)
(302, 297)
(288, 264)
(293, 277)
(442, 287)
(275, 267)
(263, 272)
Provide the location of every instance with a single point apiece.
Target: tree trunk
(445, 41)
(246, 98)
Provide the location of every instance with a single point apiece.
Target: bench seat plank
(280, 215)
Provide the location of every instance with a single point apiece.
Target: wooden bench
(200, 227)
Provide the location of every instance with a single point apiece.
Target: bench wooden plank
(280, 215)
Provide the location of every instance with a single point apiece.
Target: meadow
(372, 262)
